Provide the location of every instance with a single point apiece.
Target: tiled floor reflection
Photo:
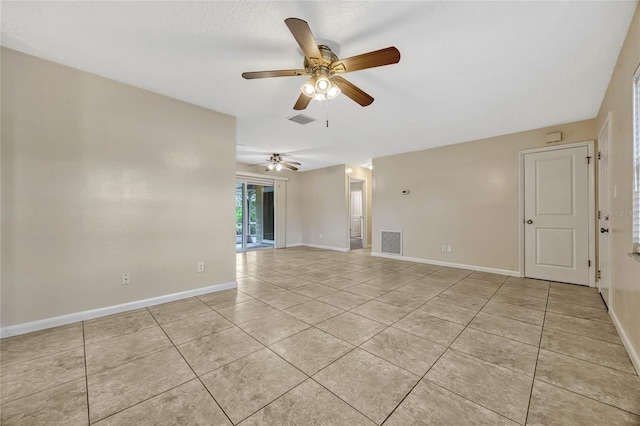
(320, 337)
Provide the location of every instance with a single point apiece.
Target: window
(636, 161)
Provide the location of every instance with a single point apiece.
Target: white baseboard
(318, 247)
(28, 327)
(449, 264)
(635, 359)
(342, 249)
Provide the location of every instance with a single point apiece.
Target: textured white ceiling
(469, 70)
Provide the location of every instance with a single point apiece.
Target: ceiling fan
(277, 162)
(324, 68)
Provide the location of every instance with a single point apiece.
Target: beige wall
(364, 174)
(323, 207)
(101, 178)
(465, 195)
(293, 221)
(625, 272)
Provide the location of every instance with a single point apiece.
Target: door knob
(603, 230)
(529, 222)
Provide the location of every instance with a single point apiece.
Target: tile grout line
(376, 334)
(582, 318)
(473, 402)
(589, 397)
(279, 397)
(40, 357)
(143, 401)
(311, 377)
(86, 373)
(346, 310)
(192, 370)
(582, 335)
(181, 318)
(117, 315)
(505, 337)
(199, 337)
(535, 370)
(441, 355)
(590, 362)
(359, 347)
(119, 335)
(343, 401)
(43, 389)
(279, 356)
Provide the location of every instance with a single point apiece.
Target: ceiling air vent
(301, 119)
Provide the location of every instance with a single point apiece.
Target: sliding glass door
(255, 224)
(240, 219)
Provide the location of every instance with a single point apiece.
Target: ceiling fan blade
(302, 102)
(267, 169)
(303, 35)
(378, 58)
(352, 91)
(276, 73)
(289, 166)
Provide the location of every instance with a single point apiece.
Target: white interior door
(356, 214)
(603, 213)
(557, 215)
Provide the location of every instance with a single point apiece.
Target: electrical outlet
(200, 267)
(449, 249)
(126, 278)
(444, 248)
(320, 236)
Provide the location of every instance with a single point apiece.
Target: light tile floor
(319, 337)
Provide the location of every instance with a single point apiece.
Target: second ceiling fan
(324, 68)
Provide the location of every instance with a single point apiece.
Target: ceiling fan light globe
(308, 89)
(322, 84)
(333, 92)
(320, 97)
(278, 167)
(270, 166)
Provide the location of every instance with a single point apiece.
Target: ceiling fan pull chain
(327, 103)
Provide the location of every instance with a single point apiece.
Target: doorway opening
(255, 216)
(357, 203)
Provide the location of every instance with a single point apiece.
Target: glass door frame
(246, 211)
(243, 221)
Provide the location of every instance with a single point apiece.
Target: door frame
(361, 230)
(364, 211)
(279, 201)
(608, 122)
(590, 144)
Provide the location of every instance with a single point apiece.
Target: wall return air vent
(301, 119)
(391, 242)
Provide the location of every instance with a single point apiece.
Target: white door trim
(360, 216)
(364, 211)
(608, 121)
(592, 203)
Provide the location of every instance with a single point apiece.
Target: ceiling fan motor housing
(327, 58)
